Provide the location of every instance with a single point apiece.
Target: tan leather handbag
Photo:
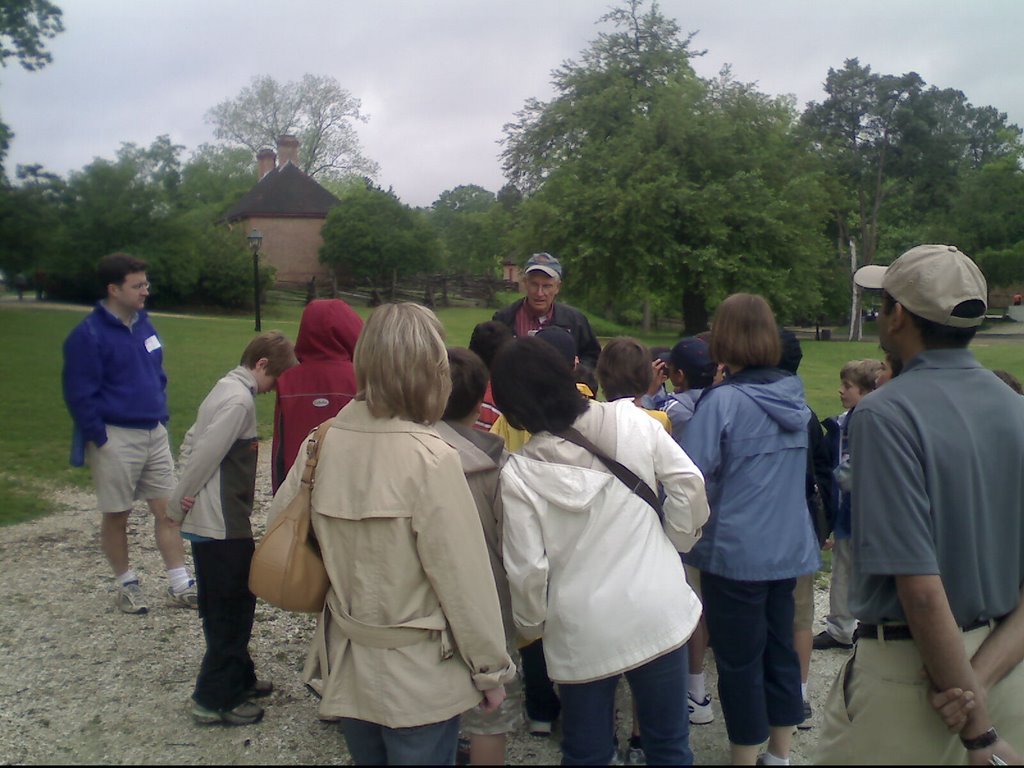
(287, 569)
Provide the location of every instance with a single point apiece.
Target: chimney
(287, 150)
(266, 160)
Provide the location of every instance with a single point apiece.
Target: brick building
(288, 208)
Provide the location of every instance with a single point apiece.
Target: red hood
(327, 332)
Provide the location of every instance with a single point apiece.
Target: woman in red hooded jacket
(322, 383)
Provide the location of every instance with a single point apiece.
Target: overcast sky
(439, 78)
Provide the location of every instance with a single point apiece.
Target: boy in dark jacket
(857, 378)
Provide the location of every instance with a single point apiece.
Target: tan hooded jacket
(412, 630)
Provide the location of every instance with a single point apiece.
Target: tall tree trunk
(646, 323)
(695, 313)
(694, 309)
(855, 324)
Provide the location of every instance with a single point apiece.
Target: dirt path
(82, 683)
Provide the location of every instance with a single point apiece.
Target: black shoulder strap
(623, 473)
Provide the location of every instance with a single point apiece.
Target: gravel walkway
(82, 683)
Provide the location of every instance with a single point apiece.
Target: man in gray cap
(542, 280)
(938, 536)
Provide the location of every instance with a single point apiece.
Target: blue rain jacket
(749, 438)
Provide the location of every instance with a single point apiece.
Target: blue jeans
(659, 689)
(373, 744)
(750, 624)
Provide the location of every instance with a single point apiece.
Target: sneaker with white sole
(186, 598)
(538, 727)
(245, 713)
(634, 756)
(700, 711)
(130, 599)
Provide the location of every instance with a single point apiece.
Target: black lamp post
(255, 239)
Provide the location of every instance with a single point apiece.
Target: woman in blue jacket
(749, 438)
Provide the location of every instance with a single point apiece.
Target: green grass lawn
(35, 428)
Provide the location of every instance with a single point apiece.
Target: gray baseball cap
(546, 263)
(933, 282)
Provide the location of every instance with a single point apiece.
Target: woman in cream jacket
(591, 567)
(411, 634)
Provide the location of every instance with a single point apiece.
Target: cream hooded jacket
(590, 567)
(411, 632)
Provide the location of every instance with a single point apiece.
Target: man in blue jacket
(115, 389)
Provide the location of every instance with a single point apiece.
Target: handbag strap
(314, 443)
(622, 472)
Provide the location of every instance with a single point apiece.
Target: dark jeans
(538, 691)
(226, 607)
(659, 690)
(751, 628)
(373, 744)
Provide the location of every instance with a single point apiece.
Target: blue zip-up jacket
(749, 438)
(679, 406)
(114, 374)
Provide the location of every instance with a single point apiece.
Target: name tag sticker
(152, 343)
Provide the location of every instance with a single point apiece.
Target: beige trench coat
(412, 631)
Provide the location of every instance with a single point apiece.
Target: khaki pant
(840, 622)
(133, 464)
(878, 712)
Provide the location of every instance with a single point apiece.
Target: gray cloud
(439, 78)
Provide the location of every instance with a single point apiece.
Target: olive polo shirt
(938, 488)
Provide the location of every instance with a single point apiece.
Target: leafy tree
(658, 188)
(858, 130)
(29, 219)
(25, 26)
(144, 202)
(317, 110)
(896, 152)
(375, 239)
(215, 177)
(470, 229)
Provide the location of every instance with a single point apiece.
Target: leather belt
(902, 631)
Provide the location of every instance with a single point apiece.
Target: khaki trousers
(878, 712)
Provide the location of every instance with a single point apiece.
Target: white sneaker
(700, 711)
(130, 599)
(187, 598)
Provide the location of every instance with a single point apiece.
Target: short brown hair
(115, 267)
(402, 364)
(624, 368)
(274, 346)
(861, 374)
(744, 333)
(469, 383)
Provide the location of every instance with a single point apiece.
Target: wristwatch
(983, 741)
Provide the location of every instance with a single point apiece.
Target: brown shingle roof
(284, 192)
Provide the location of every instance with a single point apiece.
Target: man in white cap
(542, 280)
(938, 536)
